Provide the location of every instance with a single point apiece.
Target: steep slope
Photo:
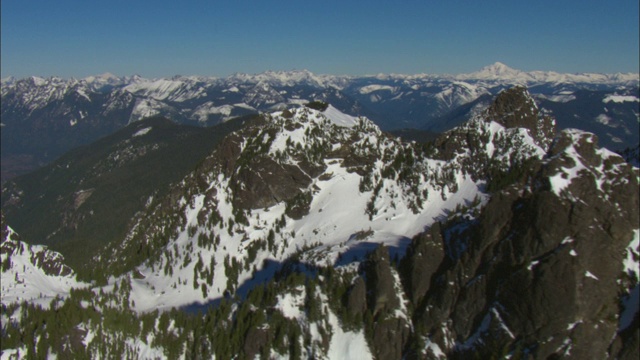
(325, 182)
(86, 199)
(32, 273)
(500, 239)
(544, 269)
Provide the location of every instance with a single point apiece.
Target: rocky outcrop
(541, 269)
(390, 331)
(50, 262)
(265, 183)
(424, 256)
(515, 108)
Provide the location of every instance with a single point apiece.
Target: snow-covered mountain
(32, 273)
(43, 118)
(310, 233)
(500, 72)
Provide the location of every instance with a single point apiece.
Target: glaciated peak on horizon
(496, 72)
(498, 68)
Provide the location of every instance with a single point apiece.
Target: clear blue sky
(217, 38)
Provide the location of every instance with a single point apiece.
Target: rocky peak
(540, 262)
(49, 262)
(515, 108)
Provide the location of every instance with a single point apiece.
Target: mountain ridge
(44, 117)
(308, 231)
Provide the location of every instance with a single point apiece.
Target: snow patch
(347, 345)
(619, 98)
(339, 118)
(590, 275)
(26, 280)
(291, 305)
(603, 119)
(371, 88)
(142, 132)
(631, 266)
(559, 98)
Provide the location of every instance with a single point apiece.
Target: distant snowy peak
(163, 89)
(498, 71)
(502, 73)
(459, 93)
(103, 78)
(285, 78)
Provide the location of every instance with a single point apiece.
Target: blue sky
(218, 38)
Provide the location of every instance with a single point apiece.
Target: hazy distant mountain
(43, 118)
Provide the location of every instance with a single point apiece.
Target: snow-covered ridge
(33, 273)
(339, 118)
(503, 73)
(497, 71)
(357, 188)
(392, 101)
(620, 98)
(360, 195)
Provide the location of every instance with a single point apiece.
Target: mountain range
(42, 118)
(309, 232)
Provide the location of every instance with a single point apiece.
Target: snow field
(25, 280)
(336, 215)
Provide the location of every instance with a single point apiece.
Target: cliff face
(543, 267)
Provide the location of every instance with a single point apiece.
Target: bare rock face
(390, 333)
(265, 183)
(515, 108)
(541, 270)
(357, 298)
(424, 256)
(380, 283)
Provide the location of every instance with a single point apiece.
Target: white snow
(501, 73)
(563, 178)
(561, 98)
(371, 88)
(433, 349)
(630, 263)
(347, 345)
(503, 326)
(573, 325)
(143, 350)
(291, 305)
(25, 280)
(145, 108)
(603, 119)
(142, 132)
(202, 112)
(82, 93)
(339, 118)
(459, 93)
(590, 275)
(619, 98)
(179, 90)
